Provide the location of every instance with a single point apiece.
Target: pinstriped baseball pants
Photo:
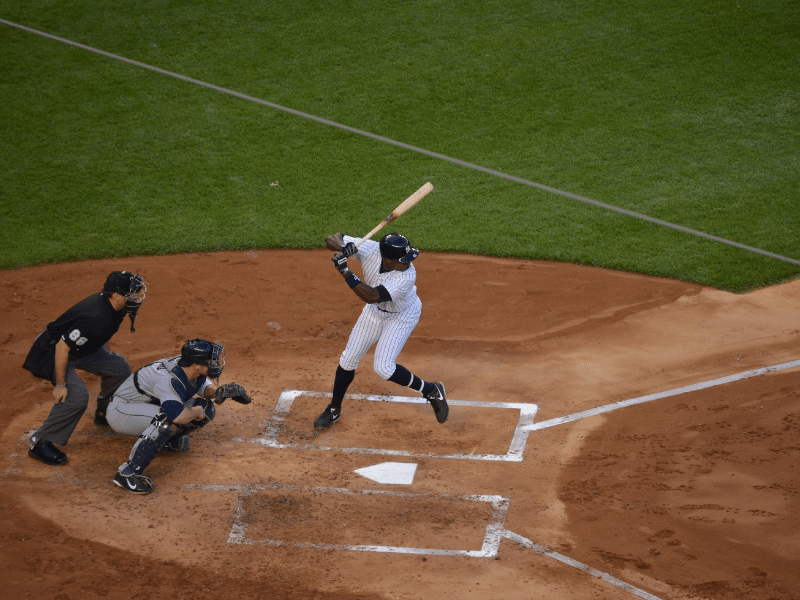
(389, 330)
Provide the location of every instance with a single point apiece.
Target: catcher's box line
(527, 412)
(659, 395)
(239, 528)
(430, 153)
(495, 531)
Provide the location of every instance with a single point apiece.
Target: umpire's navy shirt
(87, 325)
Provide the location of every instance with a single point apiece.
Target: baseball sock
(340, 384)
(406, 378)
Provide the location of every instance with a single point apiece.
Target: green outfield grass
(684, 111)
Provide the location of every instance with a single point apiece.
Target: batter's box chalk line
(527, 412)
(493, 535)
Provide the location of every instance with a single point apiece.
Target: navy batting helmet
(202, 352)
(396, 247)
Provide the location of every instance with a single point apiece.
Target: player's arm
(62, 356)
(372, 295)
(211, 388)
(367, 293)
(188, 414)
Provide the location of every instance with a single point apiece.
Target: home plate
(394, 473)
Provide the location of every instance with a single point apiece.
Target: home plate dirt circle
(531, 489)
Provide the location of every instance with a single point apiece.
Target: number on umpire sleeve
(75, 336)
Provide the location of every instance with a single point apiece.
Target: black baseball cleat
(100, 419)
(328, 417)
(46, 452)
(439, 402)
(136, 484)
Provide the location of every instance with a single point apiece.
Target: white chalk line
(405, 146)
(490, 546)
(578, 565)
(519, 439)
(658, 396)
(239, 528)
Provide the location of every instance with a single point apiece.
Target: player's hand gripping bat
(404, 206)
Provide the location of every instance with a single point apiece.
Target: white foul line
(657, 396)
(578, 565)
(430, 153)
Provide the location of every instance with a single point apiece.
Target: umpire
(77, 340)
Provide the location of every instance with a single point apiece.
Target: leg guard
(148, 445)
(178, 442)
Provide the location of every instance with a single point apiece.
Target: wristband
(61, 385)
(352, 280)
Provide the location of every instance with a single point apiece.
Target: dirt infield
(689, 495)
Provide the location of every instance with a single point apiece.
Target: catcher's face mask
(217, 362)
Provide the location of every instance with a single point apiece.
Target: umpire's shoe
(328, 417)
(46, 452)
(437, 399)
(136, 484)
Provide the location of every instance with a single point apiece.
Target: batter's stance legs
(433, 392)
(333, 411)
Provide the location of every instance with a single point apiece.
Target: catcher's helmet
(202, 352)
(396, 247)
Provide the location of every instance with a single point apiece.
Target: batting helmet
(396, 247)
(202, 352)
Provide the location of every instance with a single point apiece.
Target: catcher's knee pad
(149, 444)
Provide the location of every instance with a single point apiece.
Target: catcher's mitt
(233, 391)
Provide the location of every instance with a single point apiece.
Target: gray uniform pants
(113, 369)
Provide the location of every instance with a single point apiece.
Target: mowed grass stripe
(410, 147)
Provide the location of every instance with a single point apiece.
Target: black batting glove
(349, 249)
(340, 262)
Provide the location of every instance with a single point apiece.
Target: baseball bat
(404, 206)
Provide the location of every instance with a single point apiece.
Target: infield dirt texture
(694, 495)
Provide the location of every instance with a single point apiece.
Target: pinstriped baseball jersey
(400, 284)
(388, 323)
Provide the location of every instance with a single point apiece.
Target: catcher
(165, 401)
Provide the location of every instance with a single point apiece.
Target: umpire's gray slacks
(113, 369)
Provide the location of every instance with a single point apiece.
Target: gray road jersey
(160, 380)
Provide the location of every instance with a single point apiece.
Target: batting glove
(349, 249)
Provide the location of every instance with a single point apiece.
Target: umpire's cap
(397, 247)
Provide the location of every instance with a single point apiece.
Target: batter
(391, 312)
